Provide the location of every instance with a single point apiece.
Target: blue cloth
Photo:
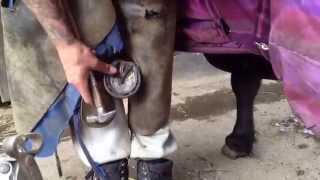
(57, 118)
(59, 114)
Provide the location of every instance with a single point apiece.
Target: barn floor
(203, 113)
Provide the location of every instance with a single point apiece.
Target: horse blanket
(286, 32)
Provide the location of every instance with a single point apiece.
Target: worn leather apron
(36, 75)
(151, 33)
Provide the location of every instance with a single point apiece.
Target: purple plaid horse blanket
(290, 29)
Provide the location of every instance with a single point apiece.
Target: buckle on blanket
(262, 46)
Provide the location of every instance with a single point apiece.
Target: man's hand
(78, 60)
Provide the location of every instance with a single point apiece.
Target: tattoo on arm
(51, 15)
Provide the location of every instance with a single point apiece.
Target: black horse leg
(245, 85)
(247, 72)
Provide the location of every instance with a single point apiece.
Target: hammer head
(103, 113)
(101, 116)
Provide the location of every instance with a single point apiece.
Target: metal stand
(19, 164)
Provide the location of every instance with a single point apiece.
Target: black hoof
(233, 154)
(238, 146)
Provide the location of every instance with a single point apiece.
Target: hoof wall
(232, 154)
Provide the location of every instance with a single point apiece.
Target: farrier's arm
(51, 16)
(77, 59)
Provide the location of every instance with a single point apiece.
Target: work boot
(160, 169)
(117, 170)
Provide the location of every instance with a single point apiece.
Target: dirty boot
(117, 170)
(160, 169)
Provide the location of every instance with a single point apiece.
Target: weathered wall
(4, 93)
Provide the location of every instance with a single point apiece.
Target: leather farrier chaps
(150, 26)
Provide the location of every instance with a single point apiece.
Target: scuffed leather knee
(147, 9)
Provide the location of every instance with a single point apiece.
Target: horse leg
(245, 86)
(247, 73)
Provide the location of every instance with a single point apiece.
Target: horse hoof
(232, 154)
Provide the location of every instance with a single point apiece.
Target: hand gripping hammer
(102, 115)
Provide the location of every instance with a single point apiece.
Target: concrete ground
(203, 113)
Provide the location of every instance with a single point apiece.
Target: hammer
(101, 116)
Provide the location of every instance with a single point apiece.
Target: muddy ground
(203, 113)
(6, 122)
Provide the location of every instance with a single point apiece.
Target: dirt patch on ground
(220, 102)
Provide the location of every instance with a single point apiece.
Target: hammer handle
(97, 99)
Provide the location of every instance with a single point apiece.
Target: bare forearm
(77, 58)
(54, 20)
